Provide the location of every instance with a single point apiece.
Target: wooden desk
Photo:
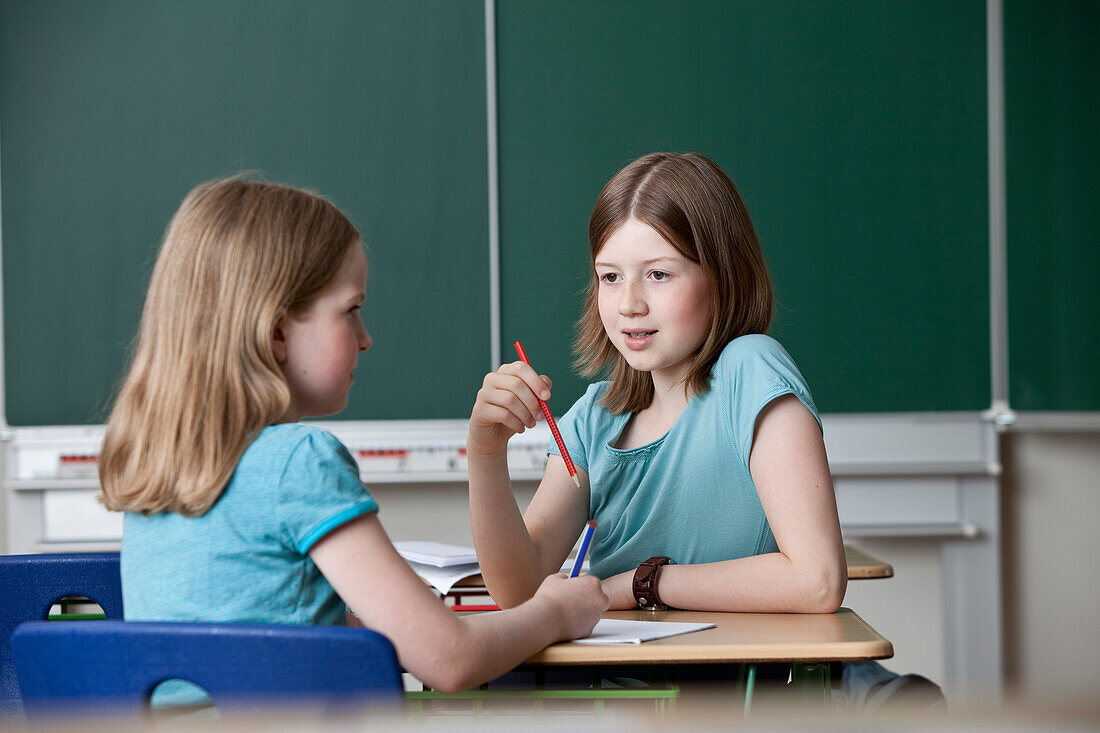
(739, 638)
(807, 641)
(861, 566)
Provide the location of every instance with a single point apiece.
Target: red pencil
(553, 425)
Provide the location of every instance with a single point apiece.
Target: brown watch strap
(645, 583)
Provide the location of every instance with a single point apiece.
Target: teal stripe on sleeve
(341, 518)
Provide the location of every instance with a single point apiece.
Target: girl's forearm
(496, 644)
(508, 557)
(770, 583)
(452, 653)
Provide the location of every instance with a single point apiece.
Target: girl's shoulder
(758, 364)
(751, 348)
(277, 444)
(595, 391)
(589, 403)
(588, 412)
(752, 371)
(287, 434)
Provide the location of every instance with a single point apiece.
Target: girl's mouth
(638, 339)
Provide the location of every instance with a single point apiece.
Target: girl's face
(318, 346)
(654, 302)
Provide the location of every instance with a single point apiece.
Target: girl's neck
(646, 426)
(669, 398)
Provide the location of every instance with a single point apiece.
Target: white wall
(1052, 564)
(439, 512)
(908, 608)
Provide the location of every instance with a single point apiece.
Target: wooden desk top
(861, 566)
(739, 637)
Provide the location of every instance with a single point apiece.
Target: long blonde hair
(690, 202)
(203, 379)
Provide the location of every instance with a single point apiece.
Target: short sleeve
(755, 370)
(320, 490)
(574, 426)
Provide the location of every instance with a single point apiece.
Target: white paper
(615, 631)
(567, 566)
(435, 553)
(443, 579)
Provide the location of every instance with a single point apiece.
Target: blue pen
(589, 530)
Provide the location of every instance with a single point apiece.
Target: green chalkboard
(111, 111)
(1052, 110)
(856, 131)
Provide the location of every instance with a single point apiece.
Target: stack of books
(441, 565)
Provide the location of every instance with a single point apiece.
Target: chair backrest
(112, 667)
(29, 586)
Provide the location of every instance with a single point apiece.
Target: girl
(235, 512)
(702, 458)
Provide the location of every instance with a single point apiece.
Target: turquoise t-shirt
(247, 559)
(688, 494)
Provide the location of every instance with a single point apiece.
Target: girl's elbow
(827, 591)
(833, 594)
(509, 595)
(446, 662)
(505, 598)
(829, 603)
(451, 676)
(452, 682)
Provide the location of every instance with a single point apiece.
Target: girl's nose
(632, 303)
(365, 341)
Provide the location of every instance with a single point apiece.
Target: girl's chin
(637, 361)
(651, 366)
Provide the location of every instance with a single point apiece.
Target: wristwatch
(645, 584)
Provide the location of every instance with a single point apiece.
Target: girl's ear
(278, 336)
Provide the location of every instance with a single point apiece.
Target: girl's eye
(609, 277)
(660, 276)
(355, 309)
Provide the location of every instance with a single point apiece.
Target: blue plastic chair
(31, 584)
(112, 667)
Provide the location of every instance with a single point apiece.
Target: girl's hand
(620, 591)
(577, 602)
(507, 403)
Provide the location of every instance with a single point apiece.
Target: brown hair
(203, 380)
(690, 202)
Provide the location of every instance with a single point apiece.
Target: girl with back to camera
(702, 458)
(234, 510)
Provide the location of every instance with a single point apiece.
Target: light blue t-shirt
(688, 494)
(247, 559)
